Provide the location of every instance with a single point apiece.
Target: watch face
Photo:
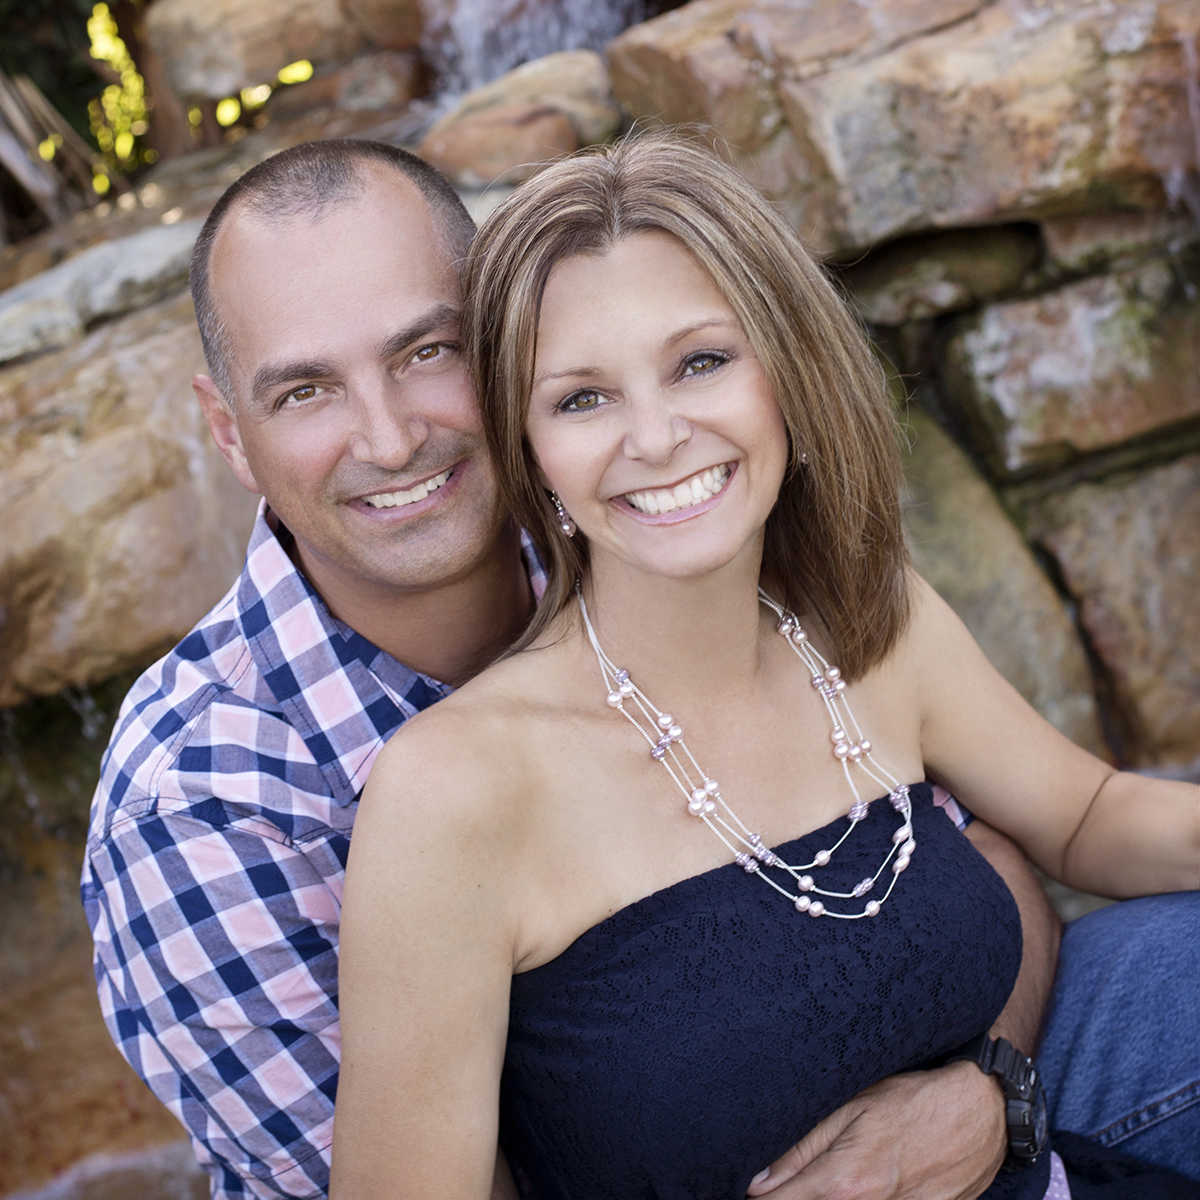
(1027, 1127)
(1040, 1121)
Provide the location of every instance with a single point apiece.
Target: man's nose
(386, 431)
(655, 430)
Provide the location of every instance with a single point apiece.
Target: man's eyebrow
(271, 375)
(437, 317)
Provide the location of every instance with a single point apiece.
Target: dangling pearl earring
(564, 518)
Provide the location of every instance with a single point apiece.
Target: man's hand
(923, 1135)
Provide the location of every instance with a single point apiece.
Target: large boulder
(122, 523)
(54, 308)
(1081, 369)
(541, 110)
(213, 48)
(1128, 551)
(967, 547)
(867, 121)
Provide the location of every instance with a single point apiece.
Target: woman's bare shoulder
(472, 756)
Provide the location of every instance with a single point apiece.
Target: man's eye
(581, 401)
(299, 396)
(433, 351)
(703, 362)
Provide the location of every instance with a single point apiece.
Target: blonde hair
(833, 542)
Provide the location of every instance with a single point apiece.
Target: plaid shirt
(215, 863)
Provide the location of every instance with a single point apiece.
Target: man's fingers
(839, 1173)
(803, 1153)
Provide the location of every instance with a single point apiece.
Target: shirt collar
(341, 693)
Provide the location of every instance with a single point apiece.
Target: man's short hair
(307, 181)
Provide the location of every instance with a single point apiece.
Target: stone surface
(867, 121)
(162, 1172)
(387, 79)
(541, 110)
(213, 48)
(1098, 240)
(1080, 369)
(122, 522)
(65, 1092)
(1128, 550)
(54, 308)
(389, 24)
(967, 547)
(922, 276)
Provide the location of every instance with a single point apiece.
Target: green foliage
(49, 43)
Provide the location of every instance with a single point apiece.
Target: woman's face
(650, 414)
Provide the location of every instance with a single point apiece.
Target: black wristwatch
(1024, 1100)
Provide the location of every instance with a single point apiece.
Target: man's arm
(216, 965)
(940, 1134)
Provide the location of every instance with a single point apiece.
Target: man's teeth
(396, 499)
(700, 487)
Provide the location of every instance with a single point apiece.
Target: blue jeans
(1120, 1058)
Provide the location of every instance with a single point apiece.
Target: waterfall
(468, 43)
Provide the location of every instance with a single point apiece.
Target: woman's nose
(655, 431)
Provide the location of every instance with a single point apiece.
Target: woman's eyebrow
(703, 323)
(677, 336)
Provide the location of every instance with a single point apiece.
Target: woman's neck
(683, 636)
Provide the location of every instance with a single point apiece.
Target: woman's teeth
(396, 499)
(704, 485)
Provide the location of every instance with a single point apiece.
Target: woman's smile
(679, 502)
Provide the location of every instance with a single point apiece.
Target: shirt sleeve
(951, 806)
(216, 964)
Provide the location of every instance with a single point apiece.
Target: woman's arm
(1082, 822)
(426, 962)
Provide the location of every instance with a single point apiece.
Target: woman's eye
(582, 401)
(703, 361)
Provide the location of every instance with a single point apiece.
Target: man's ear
(223, 426)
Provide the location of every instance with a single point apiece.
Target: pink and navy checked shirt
(215, 861)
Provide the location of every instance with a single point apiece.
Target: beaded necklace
(706, 803)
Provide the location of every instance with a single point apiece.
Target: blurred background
(1009, 192)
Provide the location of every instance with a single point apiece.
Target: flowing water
(471, 42)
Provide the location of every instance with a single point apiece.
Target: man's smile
(399, 498)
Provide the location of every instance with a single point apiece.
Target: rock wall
(1002, 188)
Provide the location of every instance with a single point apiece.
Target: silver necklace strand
(705, 801)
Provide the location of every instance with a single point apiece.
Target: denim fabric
(1121, 1054)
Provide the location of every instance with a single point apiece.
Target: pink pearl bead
(872, 909)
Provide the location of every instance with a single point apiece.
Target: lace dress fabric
(683, 1043)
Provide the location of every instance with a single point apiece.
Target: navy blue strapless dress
(677, 1047)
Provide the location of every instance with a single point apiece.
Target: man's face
(353, 411)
